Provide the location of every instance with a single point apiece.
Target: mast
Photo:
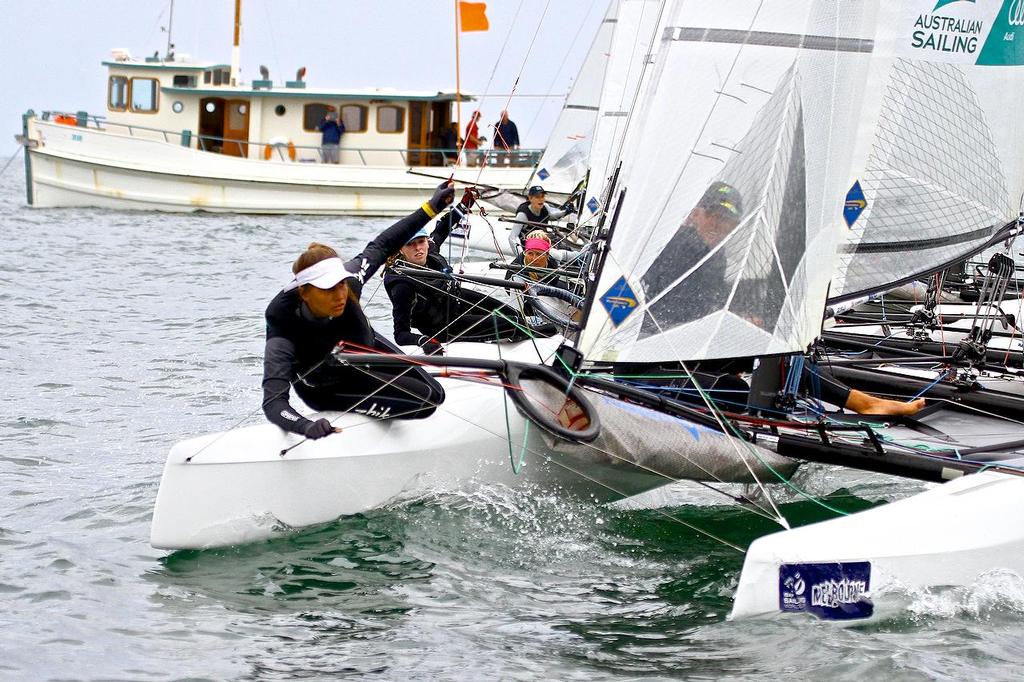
(458, 88)
(236, 54)
(169, 54)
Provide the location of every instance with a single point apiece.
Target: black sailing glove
(318, 429)
(443, 196)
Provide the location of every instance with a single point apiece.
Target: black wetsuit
(299, 346)
(441, 310)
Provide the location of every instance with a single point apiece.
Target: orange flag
(473, 17)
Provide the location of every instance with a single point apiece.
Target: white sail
(565, 160)
(942, 168)
(633, 45)
(724, 232)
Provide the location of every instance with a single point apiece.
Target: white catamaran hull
(238, 487)
(868, 565)
(79, 166)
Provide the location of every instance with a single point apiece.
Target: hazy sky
(51, 50)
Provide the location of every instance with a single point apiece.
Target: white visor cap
(323, 275)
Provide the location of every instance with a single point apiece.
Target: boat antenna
(235, 50)
(169, 53)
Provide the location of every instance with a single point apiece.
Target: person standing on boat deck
(320, 308)
(449, 141)
(506, 137)
(473, 140)
(331, 130)
(535, 211)
(439, 309)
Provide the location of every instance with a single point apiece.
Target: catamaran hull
(71, 166)
(236, 487)
(868, 565)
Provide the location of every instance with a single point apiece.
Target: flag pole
(458, 85)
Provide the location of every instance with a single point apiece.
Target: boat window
(354, 117)
(117, 96)
(184, 81)
(390, 119)
(144, 95)
(312, 114)
(279, 110)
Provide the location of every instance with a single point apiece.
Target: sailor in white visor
(319, 308)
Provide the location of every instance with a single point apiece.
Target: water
(126, 332)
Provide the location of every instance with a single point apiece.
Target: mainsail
(726, 217)
(565, 160)
(942, 171)
(634, 42)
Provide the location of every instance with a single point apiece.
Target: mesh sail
(633, 45)
(941, 173)
(726, 225)
(566, 158)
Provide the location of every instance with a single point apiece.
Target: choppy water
(125, 332)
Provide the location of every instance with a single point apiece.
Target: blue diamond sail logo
(593, 204)
(620, 301)
(543, 174)
(855, 204)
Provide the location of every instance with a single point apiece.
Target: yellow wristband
(428, 209)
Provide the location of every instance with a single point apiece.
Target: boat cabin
(274, 121)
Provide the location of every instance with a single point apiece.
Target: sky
(51, 50)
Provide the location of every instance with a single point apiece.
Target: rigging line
(753, 507)
(522, 67)
(273, 40)
(716, 413)
(487, 88)
(7, 165)
(558, 70)
(615, 156)
(707, 120)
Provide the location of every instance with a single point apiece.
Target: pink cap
(536, 244)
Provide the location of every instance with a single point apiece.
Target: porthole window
(279, 110)
(211, 107)
(242, 109)
(177, 107)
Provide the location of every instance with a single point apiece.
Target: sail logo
(619, 301)
(854, 205)
(543, 174)
(952, 35)
(832, 591)
(1015, 13)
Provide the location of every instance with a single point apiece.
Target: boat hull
(867, 565)
(75, 166)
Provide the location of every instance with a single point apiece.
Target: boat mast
(235, 51)
(168, 54)
(458, 85)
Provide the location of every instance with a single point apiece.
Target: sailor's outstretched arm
(392, 239)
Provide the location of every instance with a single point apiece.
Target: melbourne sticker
(831, 591)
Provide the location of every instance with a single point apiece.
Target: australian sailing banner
(982, 32)
(937, 172)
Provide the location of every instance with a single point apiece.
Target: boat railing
(288, 151)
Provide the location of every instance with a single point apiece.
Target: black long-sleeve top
(424, 305)
(298, 343)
